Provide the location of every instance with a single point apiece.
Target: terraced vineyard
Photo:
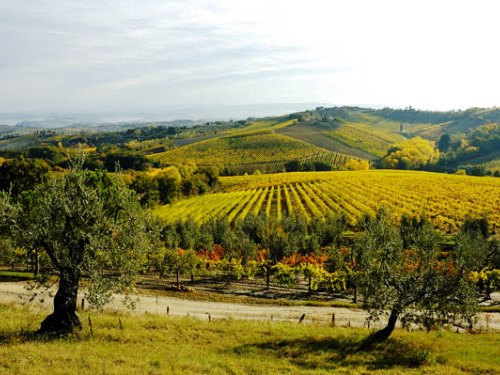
(446, 199)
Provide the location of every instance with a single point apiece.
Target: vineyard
(445, 199)
(374, 141)
(267, 124)
(322, 138)
(331, 158)
(237, 151)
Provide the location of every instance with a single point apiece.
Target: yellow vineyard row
(445, 199)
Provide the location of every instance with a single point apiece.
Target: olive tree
(416, 282)
(88, 225)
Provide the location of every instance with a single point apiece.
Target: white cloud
(136, 54)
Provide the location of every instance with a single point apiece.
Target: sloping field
(320, 138)
(426, 131)
(385, 128)
(493, 165)
(445, 199)
(21, 142)
(188, 141)
(351, 135)
(270, 124)
(367, 132)
(261, 147)
(491, 157)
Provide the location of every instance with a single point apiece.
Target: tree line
(458, 151)
(22, 174)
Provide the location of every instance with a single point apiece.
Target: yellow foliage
(411, 154)
(470, 149)
(357, 165)
(170, 171)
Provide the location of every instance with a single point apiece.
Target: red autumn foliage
(263, 256)
(446, 267)
(296, 259)
(212, 256)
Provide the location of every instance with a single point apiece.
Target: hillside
(266, 144)
(371, 129)
(368, 133)
(453, 122)
(324, 139)
(254, 150)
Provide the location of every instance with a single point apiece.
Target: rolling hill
(242, 152)
(266, 144)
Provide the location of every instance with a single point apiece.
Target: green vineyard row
(332, 158)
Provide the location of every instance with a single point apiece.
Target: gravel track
(17, 293)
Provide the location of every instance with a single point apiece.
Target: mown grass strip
(157, 345)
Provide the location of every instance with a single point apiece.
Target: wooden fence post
(302, 318)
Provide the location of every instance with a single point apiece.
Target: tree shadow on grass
(346, 352)
(12, 338)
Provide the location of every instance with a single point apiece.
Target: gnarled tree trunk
(268, 276)
(385, 332)
(64, 318)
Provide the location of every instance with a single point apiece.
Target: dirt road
(16, 293)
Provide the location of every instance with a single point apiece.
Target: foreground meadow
(149, 344)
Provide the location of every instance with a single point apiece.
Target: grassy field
(163, 345)
(446, 199)
(7, 275)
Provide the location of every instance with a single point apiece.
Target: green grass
(6, 275)
(157, 345)
(490, 309)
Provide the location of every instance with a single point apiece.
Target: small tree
(167, 187)
(88, 225)
(179, 261)
(413, 153)
(146, 188)
(419, 283)
(444, 142)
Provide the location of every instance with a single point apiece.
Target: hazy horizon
(158, 57)
(192, 113)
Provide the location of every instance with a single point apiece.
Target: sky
(128, 56)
